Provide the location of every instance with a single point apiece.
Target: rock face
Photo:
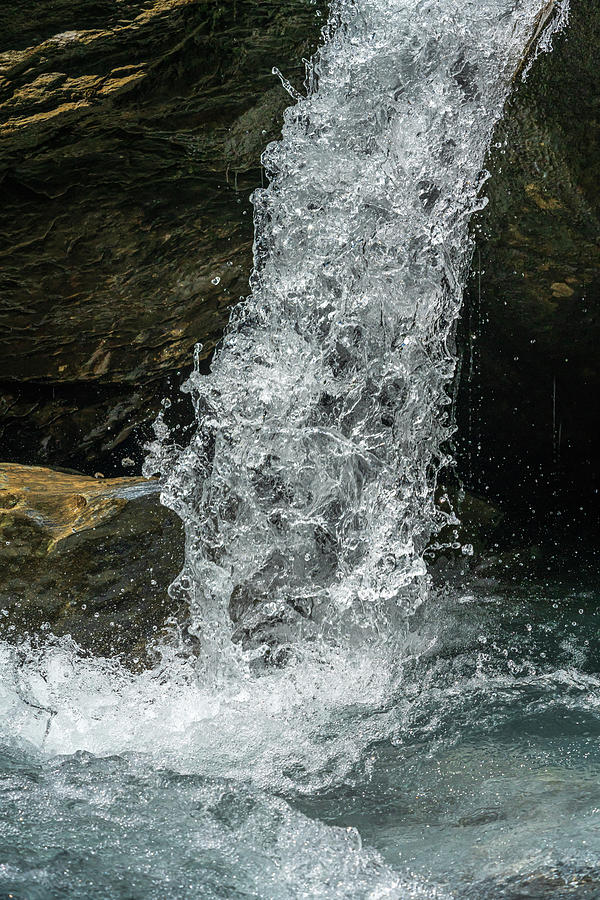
(88, 557)
(529, 408)
(130, 139)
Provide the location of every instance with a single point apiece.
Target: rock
(130, 137)
(130, 140)
(86, 557)
(528, 407)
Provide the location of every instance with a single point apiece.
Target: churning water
(308, 490)
(340, 730)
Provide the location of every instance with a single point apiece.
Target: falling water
(456, 760)
(308, 490)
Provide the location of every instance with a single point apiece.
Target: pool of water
(463, 762)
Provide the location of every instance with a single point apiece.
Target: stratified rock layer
(86, 557)
(130, 138)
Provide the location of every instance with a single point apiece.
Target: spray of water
(308, 490)
(308, 497)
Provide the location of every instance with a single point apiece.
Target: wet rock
(130, 140)
(528, 407)
(86, 557)
(130, 137)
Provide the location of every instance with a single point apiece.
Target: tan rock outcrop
(87, 557)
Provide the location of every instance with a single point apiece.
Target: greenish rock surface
(87, 557)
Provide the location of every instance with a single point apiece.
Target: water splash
(308, 498)
(307, 491)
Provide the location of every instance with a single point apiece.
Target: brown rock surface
(130, 139)
(88, 557)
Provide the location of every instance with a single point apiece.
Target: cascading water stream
(453, 760)
(308, 491)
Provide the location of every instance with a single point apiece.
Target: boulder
(86, 557)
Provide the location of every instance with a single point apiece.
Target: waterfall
(450, 754)
(308, 488)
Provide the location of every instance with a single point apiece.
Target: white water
(308, 490)
(308, 499)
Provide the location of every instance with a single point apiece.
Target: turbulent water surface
(330, 725)
(469, 768)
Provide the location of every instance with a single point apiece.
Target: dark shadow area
(528, 405)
